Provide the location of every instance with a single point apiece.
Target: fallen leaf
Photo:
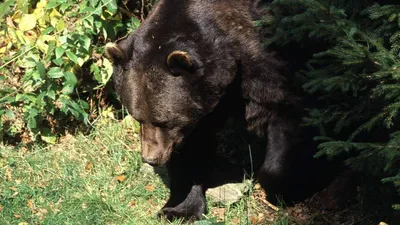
(17, 216)
(132, 204)
(23, 223)
(149, 187)
(1, 208)
(41, 213)
(253, 220)
(8, 174)
(89, 166)
(30, 205)
(84, 206)
(121, 178)
(13, 188)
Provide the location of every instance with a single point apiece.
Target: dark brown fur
(181, 113)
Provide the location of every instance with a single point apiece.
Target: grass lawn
(95, 179)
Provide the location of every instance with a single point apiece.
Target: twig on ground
(269, 204)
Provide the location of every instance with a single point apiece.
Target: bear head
(171, 72)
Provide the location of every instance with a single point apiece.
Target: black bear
(195, 74)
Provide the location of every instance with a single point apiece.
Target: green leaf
(33, 112)
(23, 5)
(36, 76)
(70, 78)
(68, 89)
(41, 69)
(32, 124)
(106, 71)
(27, 22)
(4, 7)
(72, 56)
(83, 104)
(93, 2)
(10, 114)
(51, 94)
(59, 52)
(50, 49)
(65, 6)
(48, 30)
(85, 41)
(53, 4)
(47, 136)
(58, 61)
(70, 83)
(29, 61)
(112, 6)
(135, 22)
(55, 72)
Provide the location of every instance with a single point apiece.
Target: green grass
(92, 179)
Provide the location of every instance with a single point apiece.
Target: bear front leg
(273, 173)
(191, 208)
(187, 175)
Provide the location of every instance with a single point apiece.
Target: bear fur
(197, 77)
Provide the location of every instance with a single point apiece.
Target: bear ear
(178, 61)
(114, 52)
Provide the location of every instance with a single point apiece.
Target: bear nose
(150, 160)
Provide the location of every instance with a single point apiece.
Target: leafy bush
(356, 79)
(52, 69)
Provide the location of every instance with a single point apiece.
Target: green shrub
(52, 69)
(356, 80)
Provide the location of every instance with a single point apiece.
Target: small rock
(228, 194)
(147, 169)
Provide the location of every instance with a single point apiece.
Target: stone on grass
(230, 193)
(226, 194)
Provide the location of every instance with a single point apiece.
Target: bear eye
(179, 62)
(160, 124)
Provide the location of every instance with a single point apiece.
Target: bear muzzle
(157, 145)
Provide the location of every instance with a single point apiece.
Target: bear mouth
(159, 158)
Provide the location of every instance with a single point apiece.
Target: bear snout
(156, 145)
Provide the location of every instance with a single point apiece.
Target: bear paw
(181, 213)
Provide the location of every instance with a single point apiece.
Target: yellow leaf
(121, 178)
(41, 4)
(27, 22)
(42, 41)
(40, 13)
(23, 223)
(54, 17)
(60, 25)
(30, 37)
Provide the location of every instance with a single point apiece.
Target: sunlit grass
(92, 179)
